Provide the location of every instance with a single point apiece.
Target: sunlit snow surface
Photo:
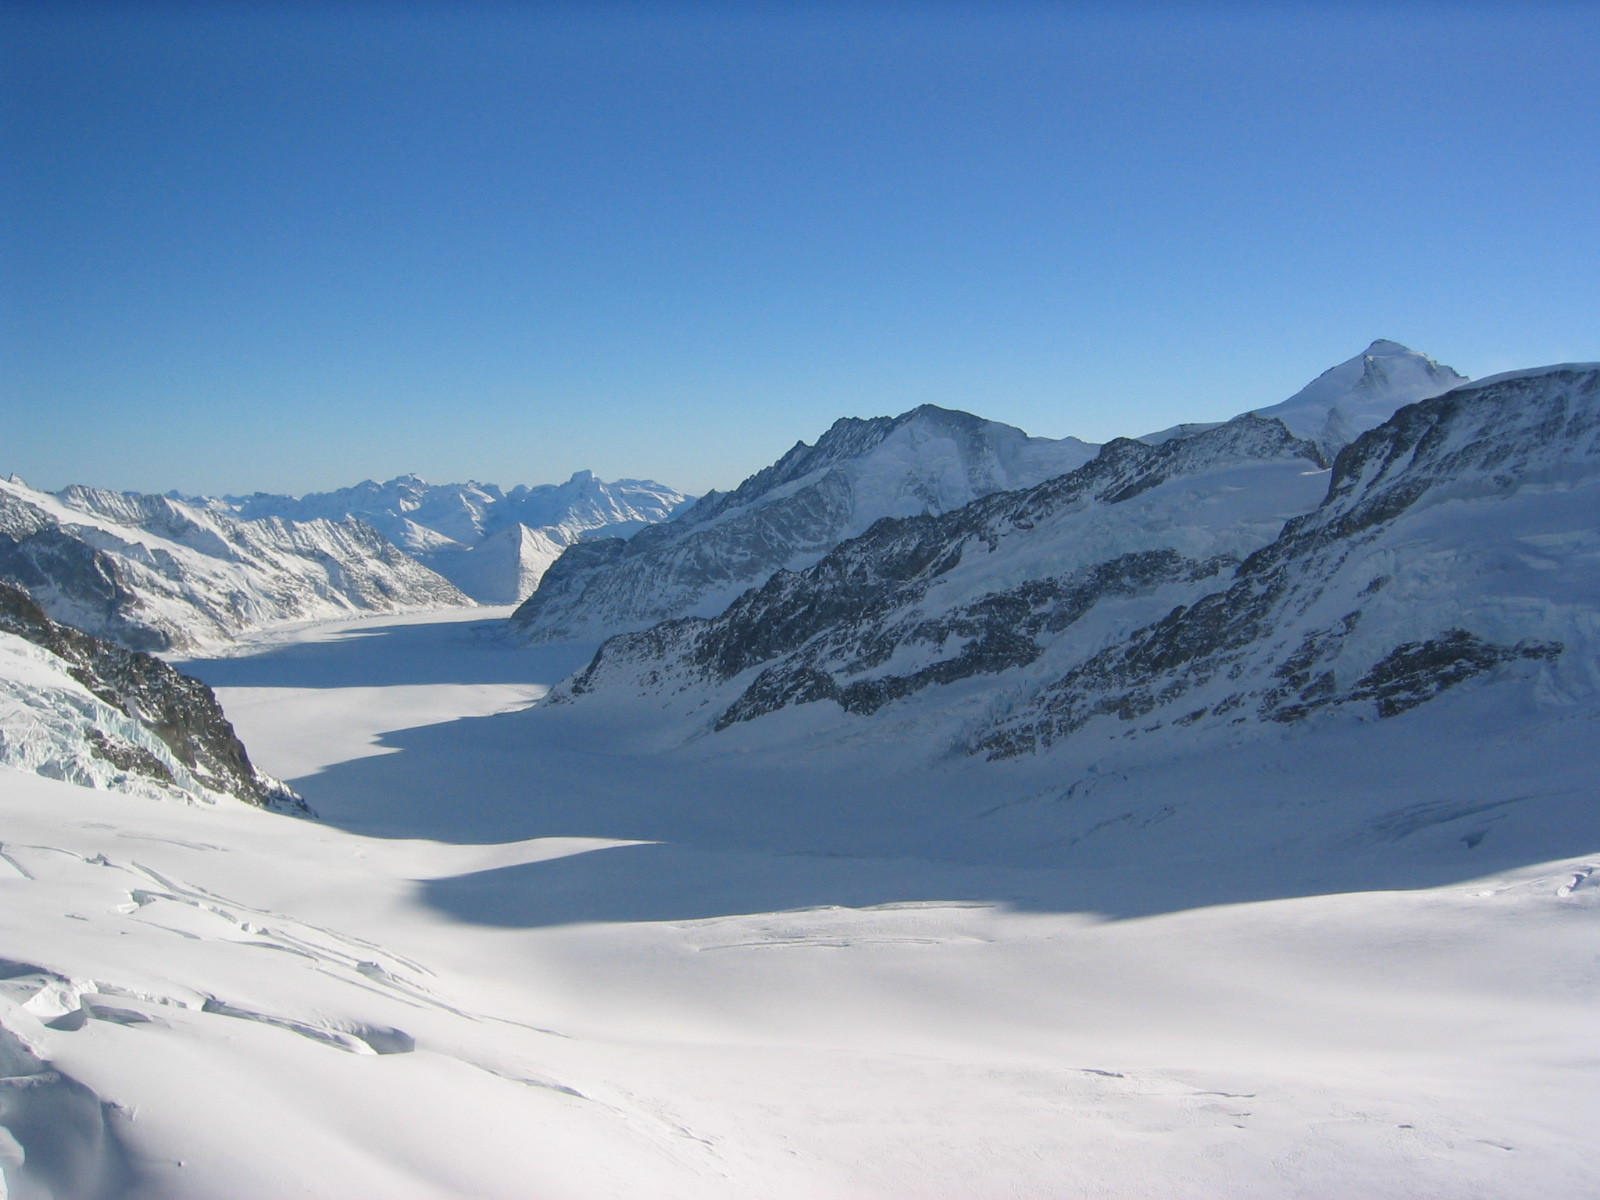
(529, 953)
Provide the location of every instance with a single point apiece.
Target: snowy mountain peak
(787, 515)
(1361, 393)
(1347, 400)
(1383, 346)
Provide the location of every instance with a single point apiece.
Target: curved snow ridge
(1533, 373)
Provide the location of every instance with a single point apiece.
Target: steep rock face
(76, 707)
(493, 544)
(929, 460)
(1207, 583)
(1345, 401)
(995, 585)
(1455, 539)
(154, 573)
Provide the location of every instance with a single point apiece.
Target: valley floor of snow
(538, 953)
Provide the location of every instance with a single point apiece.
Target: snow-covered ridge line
(930, 600)
(494, 544)
(1093, 600)
(154, 573)
(928, 460)
(1345, 401)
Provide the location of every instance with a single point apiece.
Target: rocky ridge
(914, 602)
(76, 707)
(786, 516)
(1452, 541)
(1455, 540)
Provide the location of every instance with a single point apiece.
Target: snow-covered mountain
(929, 460)
(1158, 588)
(1202, 815)
(1351, 398)
(155, 573)
(79, 709)
(493, 544)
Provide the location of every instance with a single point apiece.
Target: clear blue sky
(287, 246)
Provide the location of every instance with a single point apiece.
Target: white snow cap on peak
(1361, 393)
(1347, 400)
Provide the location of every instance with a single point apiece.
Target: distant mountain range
(494, 545)
(156, 573)
(1210, 581)
(924, 462)
(182, 573)
(1385, 534)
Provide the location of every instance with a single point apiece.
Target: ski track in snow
(634, 975)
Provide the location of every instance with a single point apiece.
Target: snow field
(559, 1012)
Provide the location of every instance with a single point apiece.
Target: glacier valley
(943, 813)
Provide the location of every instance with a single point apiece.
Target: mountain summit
(1362, 393)
(1345, 401)
(786, 516)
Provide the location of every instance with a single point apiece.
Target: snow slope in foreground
(1311, 972)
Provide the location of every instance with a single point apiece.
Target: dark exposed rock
(181, 711)
(1416, 672)
(1481, 441)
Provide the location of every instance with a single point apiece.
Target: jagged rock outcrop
(1452, 541)
(786, 516)
(155, 573)
(493, 544)
(79, 708)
